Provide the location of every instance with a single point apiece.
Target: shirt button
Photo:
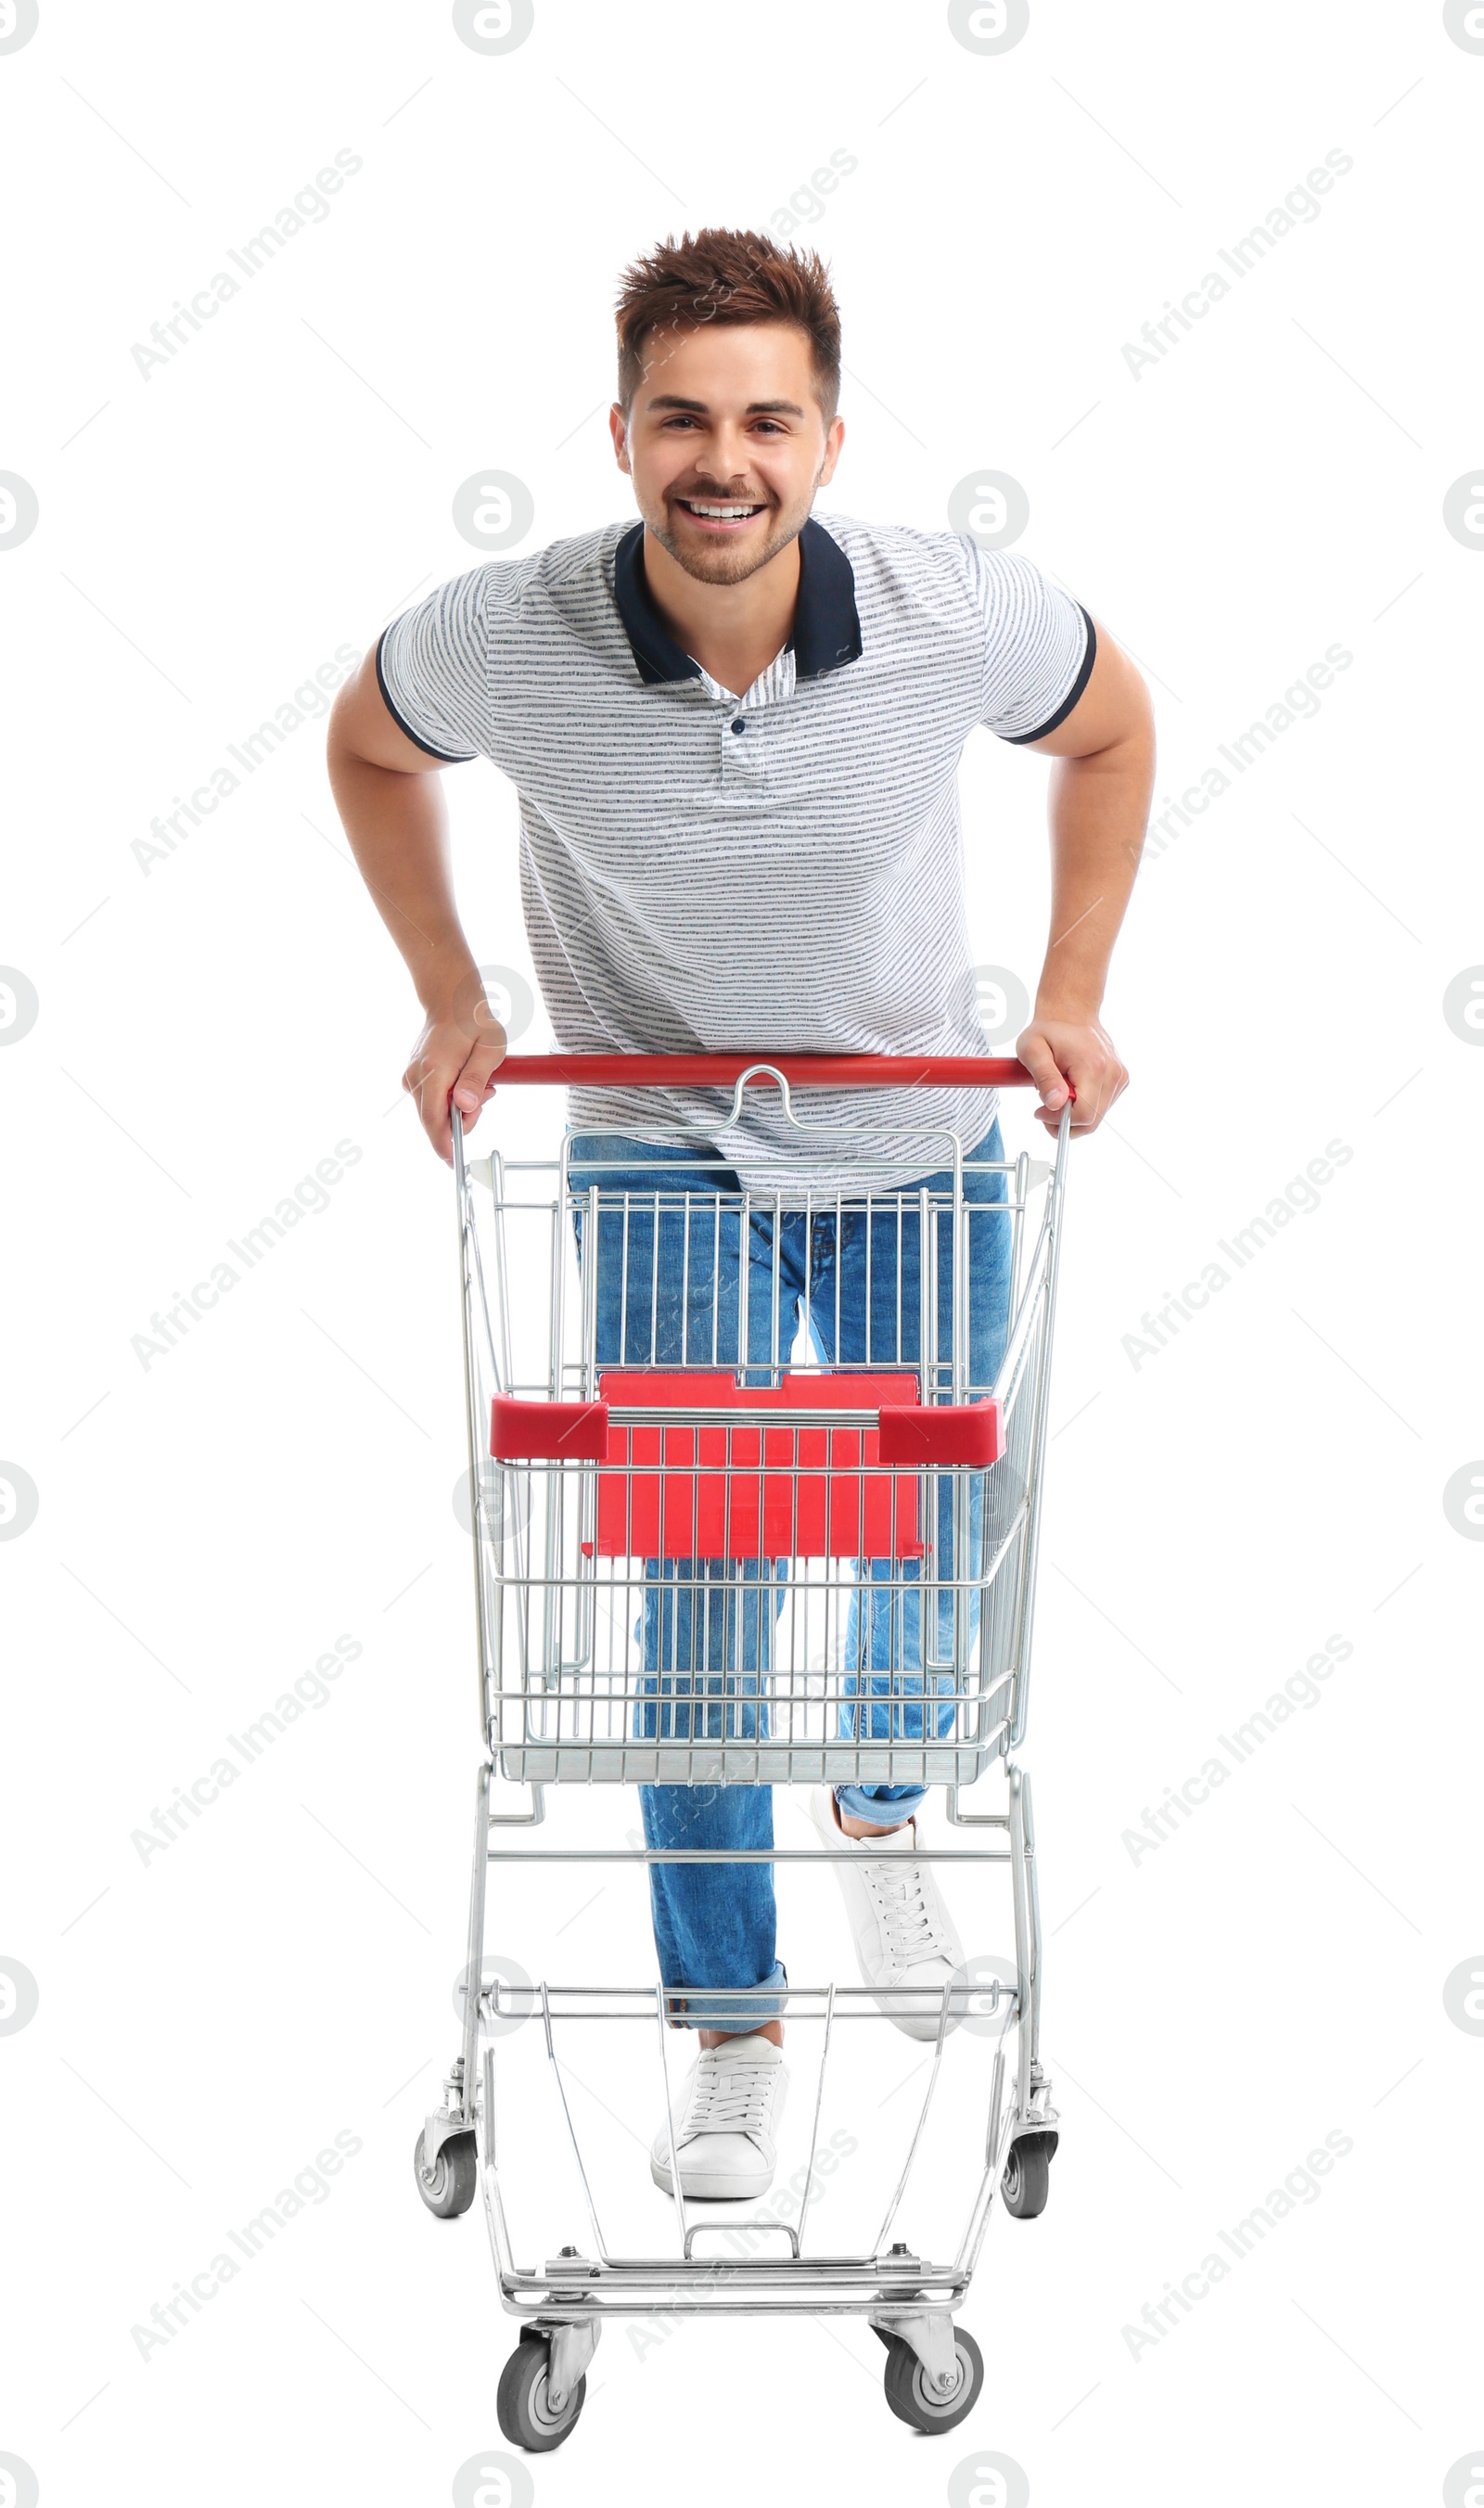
(737, 723)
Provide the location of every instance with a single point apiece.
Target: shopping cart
(605, 1488)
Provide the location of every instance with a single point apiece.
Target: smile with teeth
(715, 512)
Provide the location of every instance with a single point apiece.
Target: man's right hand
(460, 1047)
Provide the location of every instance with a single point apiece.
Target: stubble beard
(724, 565)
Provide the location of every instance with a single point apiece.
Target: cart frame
(934, 2369)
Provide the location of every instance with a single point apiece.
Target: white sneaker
(903, 1933)
(725, 2123)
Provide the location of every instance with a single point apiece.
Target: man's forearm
(1098, 808)
(394, 812)
(397, 827)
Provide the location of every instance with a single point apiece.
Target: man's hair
(725, 275)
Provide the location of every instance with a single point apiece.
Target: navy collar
(827, 627)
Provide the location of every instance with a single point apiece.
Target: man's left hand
(1065, 1050)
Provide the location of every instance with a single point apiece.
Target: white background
(210, 1025)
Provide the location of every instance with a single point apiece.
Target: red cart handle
(799, 1070)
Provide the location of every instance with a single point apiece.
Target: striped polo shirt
(703, 870)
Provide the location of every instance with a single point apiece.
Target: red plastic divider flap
(715, 1492)
(927, 1434)
(547, 1432)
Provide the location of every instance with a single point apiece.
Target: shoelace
(913, 1923)
(735, 2101)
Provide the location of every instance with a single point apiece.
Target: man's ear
(618, 429)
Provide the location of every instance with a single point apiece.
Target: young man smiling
(734, 733)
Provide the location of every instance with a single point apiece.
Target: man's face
(727, 417)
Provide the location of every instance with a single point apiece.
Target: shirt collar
(827, 626)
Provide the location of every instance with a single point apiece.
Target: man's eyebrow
(755, 408)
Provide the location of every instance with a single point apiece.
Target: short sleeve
(1040, 644)
(433, 667)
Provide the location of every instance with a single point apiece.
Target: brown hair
(725, 275)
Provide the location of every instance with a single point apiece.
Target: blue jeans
(715, 1923)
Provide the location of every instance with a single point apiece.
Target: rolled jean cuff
(882, 1804)
(735, 2009)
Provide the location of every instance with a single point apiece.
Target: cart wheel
(448, 2186)
(914, 2401)
(523, 2404)
(1027, 2179)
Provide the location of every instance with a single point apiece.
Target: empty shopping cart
(704, 1557)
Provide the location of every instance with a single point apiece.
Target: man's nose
(726, 456)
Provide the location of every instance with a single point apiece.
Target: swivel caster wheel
(448, 2186)
(1025, 2180)
(528, 2413)
(918, 2403)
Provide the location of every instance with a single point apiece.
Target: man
(734, 733)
